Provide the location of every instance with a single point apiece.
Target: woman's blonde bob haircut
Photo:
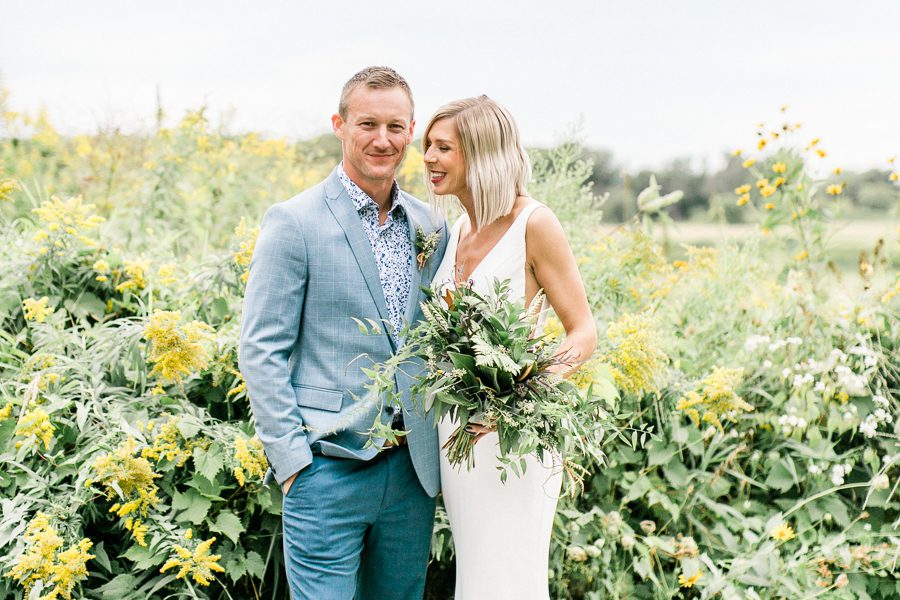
(497, 166)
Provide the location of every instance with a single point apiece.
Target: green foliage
(793, 497)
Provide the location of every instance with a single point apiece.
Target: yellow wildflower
(894, 176)
(778, 182)
(742, 189)
(737, 152)
(837, 171)
(135, 270)
(688, 582)
(748, 163)
(779, 167)
(166, 274)
(128, 477)
(101, 266)
(66, 220)
(767, 191)
(71, 568)
(553, 329)
(821, 153)
(715, 396)
(761, 144)
(170, 444)
(138, 530)
(35, 424)
(199, 563)
(744, 199)
(814, 143)
(891, 160)
(37, 310)
(637, 358)
(244, 253)
(761, 183)
(6, 411)
(251, 459)
(7, 187)
(783, 533)
(835, 189)
(800, 256)
(177, 352)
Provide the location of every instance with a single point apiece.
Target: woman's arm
(549, 258)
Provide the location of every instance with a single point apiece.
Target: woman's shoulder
(542, 227)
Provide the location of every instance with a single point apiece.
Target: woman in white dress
(501, 531)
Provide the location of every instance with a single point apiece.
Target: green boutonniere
(426, 244)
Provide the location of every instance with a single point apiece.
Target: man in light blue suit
(357, 518)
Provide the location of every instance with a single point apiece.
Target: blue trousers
(358, 529)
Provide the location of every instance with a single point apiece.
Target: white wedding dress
(501, 531)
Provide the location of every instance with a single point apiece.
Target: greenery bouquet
(485, 365)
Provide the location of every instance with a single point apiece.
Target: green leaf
(229, 524)
(255, 565)
(121, 586)
(779, 477)
(676, 472)
(188, 426)
(144, 558)
(462, 361)
(193, 506)
(210, 461)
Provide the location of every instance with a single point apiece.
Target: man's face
(375, 135)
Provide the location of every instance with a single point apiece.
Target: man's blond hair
(376, 78)
(497, 166)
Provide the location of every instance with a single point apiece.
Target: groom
(357, 520)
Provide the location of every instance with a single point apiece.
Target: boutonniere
(426, 244)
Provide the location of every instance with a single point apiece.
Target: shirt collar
(362, 200)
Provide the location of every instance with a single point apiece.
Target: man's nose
(381, 137)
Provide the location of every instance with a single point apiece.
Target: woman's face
(444, 159)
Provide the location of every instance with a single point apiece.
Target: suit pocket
(320, 398)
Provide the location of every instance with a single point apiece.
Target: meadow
(758, 366)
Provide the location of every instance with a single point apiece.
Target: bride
(501, 531)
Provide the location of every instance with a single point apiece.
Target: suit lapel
(414, 287)
(344, 211)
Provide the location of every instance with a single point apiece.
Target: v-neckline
(487, 254)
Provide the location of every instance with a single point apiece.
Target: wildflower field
(762, 381)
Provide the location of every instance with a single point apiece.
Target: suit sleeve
(273, 307)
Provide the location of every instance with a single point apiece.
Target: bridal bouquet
(484, 365)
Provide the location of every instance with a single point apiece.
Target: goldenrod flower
(199, 563)
(128, 477)
(6, 411)
(170, 444)
(247, 239)
(688, 582)
(35, 424)
(251, 459)
(783, 533)
(835, 189)
(41, 561)
(37, 310)
(67, 220)
(637, 358)
(166, 274)
(748, 163)
(715, 396)
(7, 187)
(742, 189)
(135, 270)
(177, 352)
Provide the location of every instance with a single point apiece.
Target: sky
(650, 80)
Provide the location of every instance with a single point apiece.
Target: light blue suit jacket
(312, 272)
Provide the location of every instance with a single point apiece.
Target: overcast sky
(648, 80)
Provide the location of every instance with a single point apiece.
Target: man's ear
(412, 126)
(337, 125)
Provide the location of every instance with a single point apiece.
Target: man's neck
(378, 190)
